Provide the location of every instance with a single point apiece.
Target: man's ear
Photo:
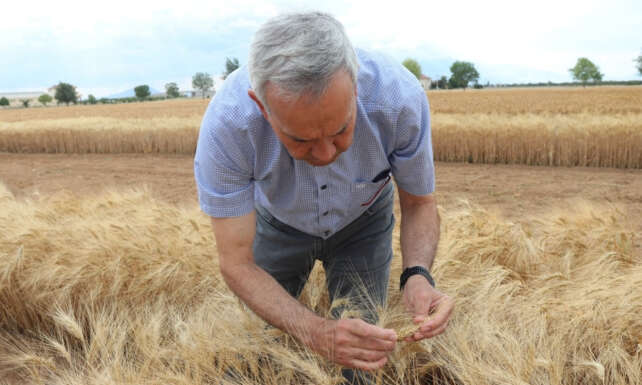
(253, 96)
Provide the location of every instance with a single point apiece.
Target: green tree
(462, 73)
(638, 60)
(92, 99)
(413, 66)
(25, 102)
(44, 99)
(585, 70)
(230, 66)
(66, 93)
(171, 89)
(442, 82)
(142, 91)
(202, 81)
(4, 101)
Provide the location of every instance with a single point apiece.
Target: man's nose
(324, 150)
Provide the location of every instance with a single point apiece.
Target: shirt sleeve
(412, 158)
(222, 169)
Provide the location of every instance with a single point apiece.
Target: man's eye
(342, 131)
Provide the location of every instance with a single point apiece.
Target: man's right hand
(354, 343)
(348, 342)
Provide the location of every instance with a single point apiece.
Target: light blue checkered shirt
(241, 163)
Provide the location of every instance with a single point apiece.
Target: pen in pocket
(381, 175)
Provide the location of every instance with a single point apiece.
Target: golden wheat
(182, 108)
(599, 127)
(101, 135)
(122, 288)
(540, 139)
(540, 100)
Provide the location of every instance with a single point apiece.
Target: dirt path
(515, 191)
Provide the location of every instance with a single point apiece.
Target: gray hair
(299, 53)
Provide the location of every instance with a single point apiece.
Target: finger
(420, 336)
(440, 316)
(374, 344)
(437, 331)
(365, 365)
(366, 330)
(365, 354)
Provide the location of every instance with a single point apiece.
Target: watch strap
(410, 271)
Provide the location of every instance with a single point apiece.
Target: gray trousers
(356, 259)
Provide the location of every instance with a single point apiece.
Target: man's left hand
(431, 308)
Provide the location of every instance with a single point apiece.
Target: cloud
(126, 43)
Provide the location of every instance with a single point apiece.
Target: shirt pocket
(366, 193)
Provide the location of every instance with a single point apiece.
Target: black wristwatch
(409, 271)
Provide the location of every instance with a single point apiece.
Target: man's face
(315, 130)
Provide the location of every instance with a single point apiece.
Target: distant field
(594, 100)
(598, 126)
(179, 108)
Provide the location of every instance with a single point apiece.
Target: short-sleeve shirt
(240, 162)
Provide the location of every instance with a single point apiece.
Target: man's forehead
(314, 131)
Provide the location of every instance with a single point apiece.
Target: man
(293, 164)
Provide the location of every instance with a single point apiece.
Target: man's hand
(354, 343)
(431, 308)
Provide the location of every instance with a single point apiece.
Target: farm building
(197, 93)
(16, 98)
(425, 82)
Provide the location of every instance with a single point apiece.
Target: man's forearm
(419, 239)
(263, 294)
(419, 234)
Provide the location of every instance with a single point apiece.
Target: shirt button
(326, 213)
(325, 186)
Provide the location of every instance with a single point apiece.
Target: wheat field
(595, 127)
(122, 288)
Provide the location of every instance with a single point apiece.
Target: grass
(122, 288)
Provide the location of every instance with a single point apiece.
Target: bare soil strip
(513, 191)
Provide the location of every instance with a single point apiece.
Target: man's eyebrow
(341, 130)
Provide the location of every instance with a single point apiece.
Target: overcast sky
(110, 46)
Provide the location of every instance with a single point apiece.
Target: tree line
(464, 74)
(66, 93)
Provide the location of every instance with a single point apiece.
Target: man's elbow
(233, 269)
(412, 202)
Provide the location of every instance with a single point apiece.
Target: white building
(16, 98)
(425, 82)
(197, 93)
